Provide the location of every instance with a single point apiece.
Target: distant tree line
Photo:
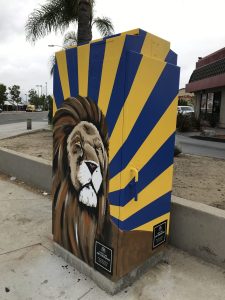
(12, 95)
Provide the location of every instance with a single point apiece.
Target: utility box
(115, 108)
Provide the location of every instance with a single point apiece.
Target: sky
(193, 27)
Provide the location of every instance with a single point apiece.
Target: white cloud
(194, 29)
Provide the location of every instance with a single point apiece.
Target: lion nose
(91, 166)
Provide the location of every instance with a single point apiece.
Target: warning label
(103, 256)
(159, 234)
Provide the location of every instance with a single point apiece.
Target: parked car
(0, 110)
(184, 110)
(38, 109)
(30, 108)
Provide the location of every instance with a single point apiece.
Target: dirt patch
(38, 144)
(201, 179)
(196, 178)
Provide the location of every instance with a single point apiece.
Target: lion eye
(98, 149)
(78, 144)
(77, 147)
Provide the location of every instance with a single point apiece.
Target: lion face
(87, 159)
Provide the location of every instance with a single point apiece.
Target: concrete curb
(195, 227)
(198, 229)
(26, 133)
(34, 171)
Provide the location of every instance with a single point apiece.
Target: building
(207, 82)
(189, 98)
(9, 106)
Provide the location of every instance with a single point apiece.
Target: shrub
(187, 122)
(182, 102)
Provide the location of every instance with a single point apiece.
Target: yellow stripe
(54, 108)
(63, 73)
(149, 226)
(160, 133)
(131, 32)
(83, 53)
(158, 187)
(155, 47)
(146, 78)
(113, 51)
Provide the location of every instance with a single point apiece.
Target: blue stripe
(132, 43)
(111, 36)
(162, 95)
(57, 88)
(72, 66)
(133, 61)
(150, 212)
(162, 159)
(97, 52)
(171, 58)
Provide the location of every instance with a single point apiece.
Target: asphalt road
(21, 116)
(199, 147)
(187, 144)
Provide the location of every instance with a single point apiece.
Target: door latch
(134, 182)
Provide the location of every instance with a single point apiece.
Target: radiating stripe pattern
(134, 79)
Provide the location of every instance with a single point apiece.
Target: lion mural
(80, 177)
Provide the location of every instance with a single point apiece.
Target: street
(15, 122)
(21, 116)
(189, 145)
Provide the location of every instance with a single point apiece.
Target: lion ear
(68, 129)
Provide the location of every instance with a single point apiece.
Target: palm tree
(104, 26)
(57, 15)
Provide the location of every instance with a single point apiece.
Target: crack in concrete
(85, 294)
(11, 251)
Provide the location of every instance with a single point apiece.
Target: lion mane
(80, 177)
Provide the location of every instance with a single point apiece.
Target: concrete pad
(9, 130)
(25, 217)
(180, 277)
(36, 273)
(11, 190)
(104, 283)
(30, 271)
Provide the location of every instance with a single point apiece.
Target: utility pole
(37, 85)
(46, 92)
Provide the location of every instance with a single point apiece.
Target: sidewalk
(218, 131)
(30, 270)
(9, 130)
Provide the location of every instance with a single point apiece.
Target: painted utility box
(114, 129)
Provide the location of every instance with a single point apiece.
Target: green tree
(38, 101)
(3, 94)
(14, 92)
(33, 97)
(50, 108)
(182, 102)
(57, 15)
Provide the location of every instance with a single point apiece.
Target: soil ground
(196, 178)
(38, 144)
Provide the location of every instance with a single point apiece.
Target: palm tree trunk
(84, 21)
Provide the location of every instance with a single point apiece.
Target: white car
(184, 110)
(38, 109)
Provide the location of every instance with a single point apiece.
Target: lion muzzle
(90, 178)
